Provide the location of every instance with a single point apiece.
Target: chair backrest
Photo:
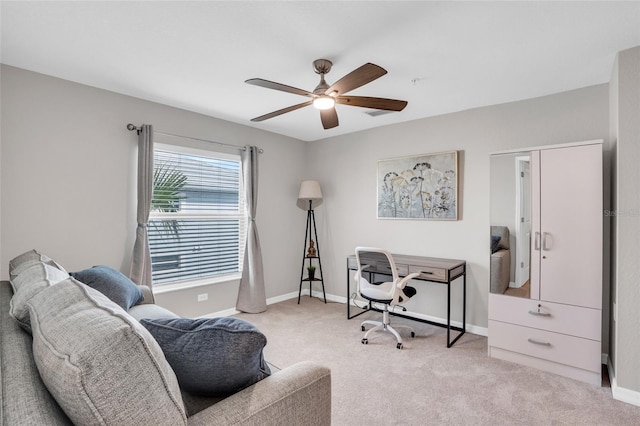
(376, 259)
(372, 259)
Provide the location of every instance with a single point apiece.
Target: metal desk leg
(464, 302)
(348, 289)
(449, 343)
(349, 316)
(464, 311)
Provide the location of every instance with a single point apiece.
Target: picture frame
(418, 187)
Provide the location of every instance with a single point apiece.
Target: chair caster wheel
(399, 346)
(365, 341)
(362, 327)
(413, 334)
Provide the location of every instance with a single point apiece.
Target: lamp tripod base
(311, 257)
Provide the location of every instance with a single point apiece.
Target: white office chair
(376, 261)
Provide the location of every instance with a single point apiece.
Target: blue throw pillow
(495, 243)
(112, 283)
(211, 356)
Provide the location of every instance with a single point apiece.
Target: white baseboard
(619, 393)
(473, 329)
(232, 311)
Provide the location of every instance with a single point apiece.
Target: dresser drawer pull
(540, 314)
(427, 272)
(537, 342)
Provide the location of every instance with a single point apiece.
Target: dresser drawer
(567, 319)
(429, 273)
(556, 347)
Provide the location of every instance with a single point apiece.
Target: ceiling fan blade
(278, 86)
(356, 78)
(282, 111)
(329, 118)
(376, 103)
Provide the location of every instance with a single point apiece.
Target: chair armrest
(403, 281)
(299, 394)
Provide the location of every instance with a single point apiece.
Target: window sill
(169, 288)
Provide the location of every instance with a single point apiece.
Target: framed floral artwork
(419, 187)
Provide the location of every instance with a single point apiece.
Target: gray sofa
(500, 260)
(299, 394)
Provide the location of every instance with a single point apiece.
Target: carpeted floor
(425, 383)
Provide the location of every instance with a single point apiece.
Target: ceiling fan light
(324, 102)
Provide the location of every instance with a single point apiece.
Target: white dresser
(554, 321)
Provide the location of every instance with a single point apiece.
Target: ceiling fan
(324, 97)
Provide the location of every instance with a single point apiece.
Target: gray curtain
(251, 295)
(141, 262)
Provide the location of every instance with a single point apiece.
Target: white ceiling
(441, 57)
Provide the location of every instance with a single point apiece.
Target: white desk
(441, 271)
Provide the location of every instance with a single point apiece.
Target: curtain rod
(132, 127)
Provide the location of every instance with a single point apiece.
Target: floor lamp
(310, 197)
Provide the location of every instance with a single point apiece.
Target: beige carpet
(425, 383)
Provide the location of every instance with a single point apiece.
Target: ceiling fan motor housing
(322, 66)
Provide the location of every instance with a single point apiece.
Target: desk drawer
(386, 269)
(378, 267)
(352, 263)
(556, 347)
(429, 273)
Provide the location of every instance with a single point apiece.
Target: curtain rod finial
(131, 127)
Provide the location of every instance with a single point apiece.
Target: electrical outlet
(202, 297)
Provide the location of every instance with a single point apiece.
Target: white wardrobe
(553, 320)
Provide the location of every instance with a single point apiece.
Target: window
(197, 220)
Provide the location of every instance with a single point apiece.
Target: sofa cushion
(101, 365)
(211, 356)
(112, 283)
(19, 263)
(28, 283)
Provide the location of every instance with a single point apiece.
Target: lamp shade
(309, 191)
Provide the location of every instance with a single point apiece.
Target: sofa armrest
(148, 295)
(299, 394)
(500, 271)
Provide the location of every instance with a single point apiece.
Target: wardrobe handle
(540, 314)
(537, 342)
(545, 237)
(537, 241)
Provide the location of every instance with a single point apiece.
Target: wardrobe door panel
(571, 225)
(535, 225)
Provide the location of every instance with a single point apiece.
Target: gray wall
(68, 167)
(625, 134)
(346, 167)
(68, 177)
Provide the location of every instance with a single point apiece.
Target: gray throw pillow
(112, 283)
(211, 356)
(27, 259)
(495, 243)
(27, 284)
(101, 365)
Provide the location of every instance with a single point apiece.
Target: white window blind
(197, 221)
